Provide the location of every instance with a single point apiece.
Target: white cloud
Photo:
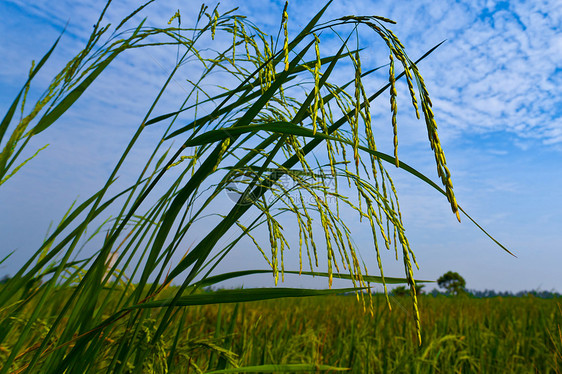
(499, 70)
(504, 66)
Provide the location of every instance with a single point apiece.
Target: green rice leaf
(237, 274)
(241, 296)
(8, 117)
(49, 118)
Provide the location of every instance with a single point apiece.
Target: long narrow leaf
(8, 117)
(209, 281)
(241, 295)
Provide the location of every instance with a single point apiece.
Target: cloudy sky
(496, 87)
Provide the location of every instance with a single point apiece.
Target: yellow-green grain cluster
(122, 279)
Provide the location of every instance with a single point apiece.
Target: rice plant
(460, 334)
(284, 116)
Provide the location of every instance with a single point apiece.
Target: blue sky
(496, 86)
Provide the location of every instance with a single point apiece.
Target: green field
(118, 284)
(460, 334)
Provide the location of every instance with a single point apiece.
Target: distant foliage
(492, 293)
(400, 291)
(452, 282)
(403, 291)
(533, 293)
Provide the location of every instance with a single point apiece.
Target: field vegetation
(460, 334)
(136, 301)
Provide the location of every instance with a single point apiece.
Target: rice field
(460, 334)
(497, 335)
(117, 287)
(515, 335)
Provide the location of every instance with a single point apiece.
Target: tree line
(453, 284)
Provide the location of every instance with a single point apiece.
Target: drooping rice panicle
(244, 137)
(317, 96)
(285, 36)
(393, 107)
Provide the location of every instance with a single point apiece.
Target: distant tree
(435, 292)
(402, 290)
(4, 279)
(452, 282)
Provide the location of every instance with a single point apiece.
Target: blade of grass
(241, 296)
(209, 281)
(8, 117)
